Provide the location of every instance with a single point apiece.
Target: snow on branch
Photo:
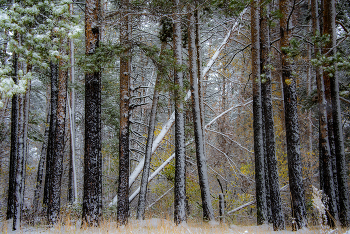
(170, 122)
(225, 112)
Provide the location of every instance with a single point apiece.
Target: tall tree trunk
(123, 181)
(23, 116)
(332, 84)
(261, 205)
(180, 165)
(13, 150)
(57, 163)
(327, 29)
(146, 167)
(92, 195)
(291, 119)
(328, 185)
(275, 196)
(208, 213)
(52, 132)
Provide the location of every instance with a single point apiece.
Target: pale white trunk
(72, 131)
(72, 113)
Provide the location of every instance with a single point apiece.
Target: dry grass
(154, 226)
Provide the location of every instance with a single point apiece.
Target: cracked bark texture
(331, 83)
(291, 119)
(123, 180)
(180, 164)
(52, 132)
(271, 159)
(261, 205)
(59, 142)
(13, 149)
(23, 116)
(92, 194)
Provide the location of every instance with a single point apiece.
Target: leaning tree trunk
(208, 213)
(92, 195)
(146, 167)
(291, 120)
(261, 204)
(13, 150)
(73, 188)
(275, 196)
(180, 165)
(328, 185)
(57, 163)
(52, 132)
(331, 80)
(123, 180)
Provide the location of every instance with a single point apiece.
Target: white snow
(155, 226)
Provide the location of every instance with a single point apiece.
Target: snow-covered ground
(154, 226)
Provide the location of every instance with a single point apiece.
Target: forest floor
(155, 226)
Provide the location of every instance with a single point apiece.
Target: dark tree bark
(291, 119)
(208, 213)
(18, 189)
(222, 207)
(180, 165)
(331, 83)
(13, 150)
(271, 159)
(52, 132)
(261, 204)
(123, 181)
(266, 166)
(92, 195)
(57, 163)
(327, 181)
(328, 96)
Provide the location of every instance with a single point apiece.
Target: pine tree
(92, 195)
(123, 180)
(208, 213)
(180, 165)
(325, 153)
(332, 86)
(261, 204)
(266, 90)
(291, 119)
(59, 142)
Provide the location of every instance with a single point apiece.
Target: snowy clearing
(153, 226)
